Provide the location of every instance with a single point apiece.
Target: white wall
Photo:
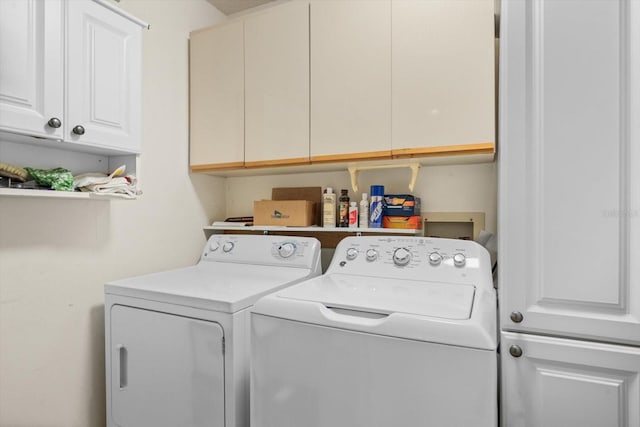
(457, 188)
(55, 255)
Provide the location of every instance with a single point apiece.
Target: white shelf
(18, 192)
(315, 229)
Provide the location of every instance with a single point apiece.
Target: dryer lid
(387, 296)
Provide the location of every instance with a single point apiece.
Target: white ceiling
(229, 7)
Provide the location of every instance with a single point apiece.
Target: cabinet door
(560, 382)
(350, 79)
(277, 85)
(31, 67)
(217, 97)
(443, 74)
(570, 168)
(103, 78)
(166, 370)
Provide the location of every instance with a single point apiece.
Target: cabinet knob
(515, 351)
(78, 130)
(54, 122)
(516, 317)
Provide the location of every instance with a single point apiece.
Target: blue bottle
(377, 194)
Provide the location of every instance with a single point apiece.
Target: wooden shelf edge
(452, 150)
(351, 157)
(212, 167)
(281, 162)
(328, 237)
(483, 150)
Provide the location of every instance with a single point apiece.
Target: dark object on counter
(343, 208)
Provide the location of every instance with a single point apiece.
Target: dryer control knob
(214, 245)
(459, 260)
(352, 253)
(285, 250)
(227, 246)
(372, 255)
(401, 256)
(435, 258)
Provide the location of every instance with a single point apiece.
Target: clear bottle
(329, 208)
(353, 215)
(364, 211)
(343, 209)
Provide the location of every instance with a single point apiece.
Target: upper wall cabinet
(217, 97)
(443, 75)
(330, 81)
(277, 85)
(31, 67)
(95, 105)
(350, 79)
(103, 77)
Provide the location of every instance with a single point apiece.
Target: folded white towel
(112, 185)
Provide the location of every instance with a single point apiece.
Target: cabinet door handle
(515, 351)
(122, 366)
(54, 122)
(516, 317)
(78, 130)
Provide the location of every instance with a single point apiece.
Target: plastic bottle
(343, 209)
(377, 194)
(364, 212)
(353, 215)
(329, 208)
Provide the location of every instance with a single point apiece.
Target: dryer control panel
(413, 258)
(303, 252)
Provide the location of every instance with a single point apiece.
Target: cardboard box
(312, 194)
(400, 205)
(404, 222)
(297, 213)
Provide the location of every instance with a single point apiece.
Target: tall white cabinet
(569, 210)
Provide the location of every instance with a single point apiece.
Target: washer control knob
(459, 260)
(214, 245)
(372, 255)
(401, 256)
(285, 250)
(435, 258)
(352, 253)
(227, 246)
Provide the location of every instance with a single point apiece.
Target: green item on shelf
(59, 179)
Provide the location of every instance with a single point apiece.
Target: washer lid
(387, 296)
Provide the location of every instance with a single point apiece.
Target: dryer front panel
(166, 370)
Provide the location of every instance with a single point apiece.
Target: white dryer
(400, 331)
(177, 342)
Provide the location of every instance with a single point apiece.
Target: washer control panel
(412, 258)
(266, 250)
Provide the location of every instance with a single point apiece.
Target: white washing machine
(400, 331)
(177, 342)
